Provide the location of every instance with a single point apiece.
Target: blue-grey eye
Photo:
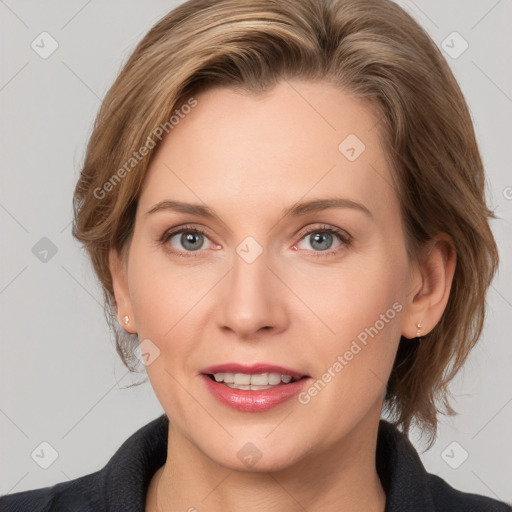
(321, 240)
(191, 241)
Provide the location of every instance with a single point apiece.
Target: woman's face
(268, 284)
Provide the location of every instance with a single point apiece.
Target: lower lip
(253, 401)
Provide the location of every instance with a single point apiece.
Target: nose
(252, 301)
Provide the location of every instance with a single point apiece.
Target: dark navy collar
(408, 486)
(122, 484)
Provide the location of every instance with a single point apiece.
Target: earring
(126, 319)
(418, 333)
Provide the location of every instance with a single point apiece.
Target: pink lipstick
(253, 388)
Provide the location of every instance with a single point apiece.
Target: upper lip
(252, 369)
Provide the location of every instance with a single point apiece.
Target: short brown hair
(371, 49)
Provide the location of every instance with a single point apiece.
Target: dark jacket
(122, 483)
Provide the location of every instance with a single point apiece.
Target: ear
(431, 282)
(118, 271)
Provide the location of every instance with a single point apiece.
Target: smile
(255, 388)
(253, 382)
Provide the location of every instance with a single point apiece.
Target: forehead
(297, 140)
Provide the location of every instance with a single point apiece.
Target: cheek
(162, 293)
(163, 299)
(358, 308)
(352, 295)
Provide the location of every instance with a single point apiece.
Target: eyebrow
(297, 210)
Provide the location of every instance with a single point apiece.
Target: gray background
(60, 378)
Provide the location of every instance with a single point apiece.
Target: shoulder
(119, 486)
(448, 499)
(409, 486)
(74, 496)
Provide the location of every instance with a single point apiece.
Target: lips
(242, 387)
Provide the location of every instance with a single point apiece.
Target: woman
(283, 202)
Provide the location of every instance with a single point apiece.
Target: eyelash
(343, 237)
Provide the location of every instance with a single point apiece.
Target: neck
(344, 475)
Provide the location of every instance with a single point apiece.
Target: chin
(255, 454)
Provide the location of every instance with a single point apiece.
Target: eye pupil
(191, 238)
(321, 237)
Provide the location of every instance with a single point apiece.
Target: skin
(247, 158)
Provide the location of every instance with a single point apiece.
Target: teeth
(240, 386)
(260, 379)
(254, 381)
(251, 387)
(275, 378)
(242, 379)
